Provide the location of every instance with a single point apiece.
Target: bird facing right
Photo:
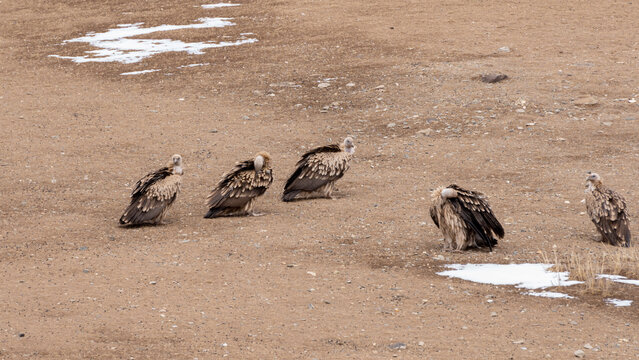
(318, 170)
(607, 210)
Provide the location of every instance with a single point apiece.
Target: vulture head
(176, 164)
(448, 193)
(593, 179)
(349, 147)
(261, 159)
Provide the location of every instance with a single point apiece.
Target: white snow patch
(192, 65)
(117, 45)
(619, 279)
(550, 294)
(618, 302)
(527, 276)
(218, 5)
(140, 72)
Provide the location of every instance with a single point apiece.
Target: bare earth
(313, 279)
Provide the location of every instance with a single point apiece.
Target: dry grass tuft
(586, 266)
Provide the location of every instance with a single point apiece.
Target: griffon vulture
(236, 193)
(154, 194)
(465, 218)
(607, 210)
(318, 170)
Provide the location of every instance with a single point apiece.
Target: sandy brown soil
(314, 279)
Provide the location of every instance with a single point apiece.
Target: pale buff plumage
(318, 170)
(154, 194)
(238, 189)
(607, 210)
(465, 218)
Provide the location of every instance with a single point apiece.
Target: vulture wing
(476, 212)
(238, 187)
(316, 168)
(151, 197)
(607, 209)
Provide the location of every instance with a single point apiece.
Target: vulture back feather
(317, 171)
(153, 195)
(607, 210)
(236, 192)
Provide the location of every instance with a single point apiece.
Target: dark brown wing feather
(139, 200)
(477, 213)
(433, 215)
(238, 187)
(315, 169)
(608, 212)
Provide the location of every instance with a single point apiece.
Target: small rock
(323, 85)
(520, 111)
(587, 346)
(213, 131)
(391, 125)
(21, 335)
(152, 282)
(580, 354)
(245, 117)
(586, 101)
(493, 78)
(397, 346)
(504, 49)
(311, 273)
(421, 343)
(493, 314)
(425, 132)
(83, 248)
(518, 342)
(380, 87)
(350, 84)
(439, 257)
(606, 123)
(630, 118)
(86, 271)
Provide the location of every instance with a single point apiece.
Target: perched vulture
(465, 218)
(236, 193)
(318, 170)
(607, 209)
(154, 194)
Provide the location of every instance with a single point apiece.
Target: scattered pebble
(493, 78)
(152, 282)
(504, 49)
(580, 354)
(391, 125)
(586, 101)
(425, 132)
(323, 85)
(397, 346)
(588, 346)
(493, 314)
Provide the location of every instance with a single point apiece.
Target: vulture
(318, 170)
(607, 210)
(236, 193)
(465, 218)
(154, 194)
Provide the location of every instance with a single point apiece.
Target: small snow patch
(618, 279)
(140, 72)
(218, 5)
(618, 302)
(527, 276)
(550, 294)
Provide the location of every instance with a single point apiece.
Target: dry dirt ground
(314, 279)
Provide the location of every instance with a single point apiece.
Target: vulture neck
(595, 185)
(178, 170)
(350, 150)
